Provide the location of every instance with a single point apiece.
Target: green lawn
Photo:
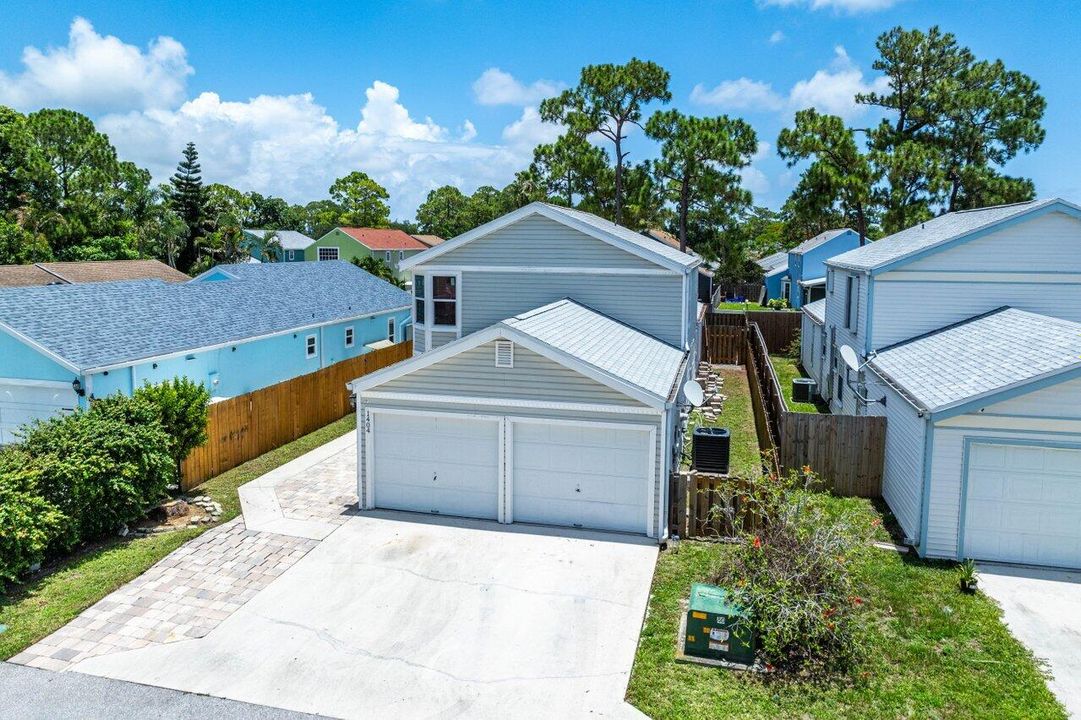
(745, 458)
(51, 600)
(788, 369)
(744, 306)
(933, 652)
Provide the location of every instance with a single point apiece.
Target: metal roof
(980, 356)
(816, 310)
(771, 263)
(819, 239)
(937, 231)
(603, 343)
(110, 323)
(289, 239)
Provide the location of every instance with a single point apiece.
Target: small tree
(181, 404)
(380, 269)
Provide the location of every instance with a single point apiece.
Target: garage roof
(979, 357)
(816, 310)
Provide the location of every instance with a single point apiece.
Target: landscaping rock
(173, 508)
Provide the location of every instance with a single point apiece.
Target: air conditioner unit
(804, 390)
(710, 449)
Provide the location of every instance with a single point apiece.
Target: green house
(346, 243)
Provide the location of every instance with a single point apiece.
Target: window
(504, 354)
(401, 255)
(292, 255)
(829, 282)
(445, 300)
(786, 289)
(418, 299)
(852, 292)
(311, 347)
(390, 329)
(328, 253)
(349, 337)
(387, 255)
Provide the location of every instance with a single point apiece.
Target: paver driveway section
(1042, 608)
(399, 616)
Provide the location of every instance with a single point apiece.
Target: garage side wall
(902, 472)
(1051, 415)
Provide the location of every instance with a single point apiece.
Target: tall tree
(363, 200)
(573, 168)
(607, 99)
(698, 163)
(445, 212)
(187, 197)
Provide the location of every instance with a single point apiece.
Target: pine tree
(188, 200)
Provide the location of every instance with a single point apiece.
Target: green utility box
(714, 630)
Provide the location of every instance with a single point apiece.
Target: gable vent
(504, 354)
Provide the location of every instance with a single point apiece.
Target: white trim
(994, 422)
(813, 283)
(653, 525)
(200, 276)
(545, 270)
(392, 329)
(501, 494)
(539, 208)
(429, 303)
(350, 336)
(508, 471)
(506, 402)
(337, 252)
(507, 347)
(311, 346)
(363, 442)
(980, 277)
(39, 347)
(37, 383)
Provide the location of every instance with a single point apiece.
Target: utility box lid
(712, 599)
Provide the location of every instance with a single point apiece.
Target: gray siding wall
(650, 303)
(902, 478)
(473, 373)
(536, 241)
(836, 302)
(441, 338)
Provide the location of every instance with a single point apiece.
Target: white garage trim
(35, 383)
(508, 402)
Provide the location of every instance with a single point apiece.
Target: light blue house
(293, 244)
(799, 275)
(236, 328)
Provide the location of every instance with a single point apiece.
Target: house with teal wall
(353, 243)
(235, 329)
(799, 275)
(293, 244)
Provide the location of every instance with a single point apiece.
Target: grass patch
(933, 652)
(742, 306)
(738, 416)
(787, 370)
(51, 599)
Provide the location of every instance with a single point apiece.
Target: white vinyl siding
(902, 478)
(836, 306)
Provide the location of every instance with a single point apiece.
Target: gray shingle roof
(604, 343)
(819, 239)
(817, 310)
(99, 324)
(980, 356)
(773, 262)
(290, 239)
(645, 243)
(934, 232)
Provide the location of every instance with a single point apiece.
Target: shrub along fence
(246, 426)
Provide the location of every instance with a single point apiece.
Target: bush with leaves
(777, 304)
(182, 411)
(29, 524)
(791, 572)
(793, 350)
(101, 467)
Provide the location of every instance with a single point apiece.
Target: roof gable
(820, 239)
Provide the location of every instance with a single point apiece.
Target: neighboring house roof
(816, 310)
(90, 326)
(979, 357)
(819, 239)
(772, 263)
(289, 239)
(914, 241)
(89, 271)
(587, 223)
(672, 241)
(429, 240)
(384, 238)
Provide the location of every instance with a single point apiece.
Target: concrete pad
(409, 616)
(1042, 608)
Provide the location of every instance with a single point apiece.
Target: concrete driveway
(370, 614)
(1042, 608)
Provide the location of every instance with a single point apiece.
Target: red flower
(829, 612)
(856, 600)
(757, 542)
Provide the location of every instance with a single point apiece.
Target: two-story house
(967, 331)
(799, 275)
(389, 245)
(551, 347)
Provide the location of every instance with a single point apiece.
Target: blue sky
(284, 97)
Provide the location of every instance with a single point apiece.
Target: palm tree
(380, 269)
(268, 245)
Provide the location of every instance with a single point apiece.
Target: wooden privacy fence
(710, 506)
(723, 344)
(778, 327)
(749, 291)
(246, 426)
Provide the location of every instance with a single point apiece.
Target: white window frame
(350, 337)
(852, 305)
(291, 254)
(329, 249)
(311, 346)
(429, 301)
(786, 289)
(401, 255)
(392, 329)
(829, 282)
(386, 256)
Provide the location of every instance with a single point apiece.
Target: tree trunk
(619, 173)
(861, 223)
(684, 204)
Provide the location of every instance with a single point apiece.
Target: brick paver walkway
(326, 492)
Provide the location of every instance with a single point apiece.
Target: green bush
(101, 467)
(29, 524)
(777, 304)
(182, 412)
(790, 571)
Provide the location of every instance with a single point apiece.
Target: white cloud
(776, 37)
(384, 115)
(469, 131)
(529, 130)
(741, 94)
(851, 7)
(98, 73)
(496, 87)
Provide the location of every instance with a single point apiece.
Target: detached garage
(558, 416)
(983, 439)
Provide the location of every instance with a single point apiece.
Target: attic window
(504, 354)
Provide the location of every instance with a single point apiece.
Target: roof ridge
(951, 326)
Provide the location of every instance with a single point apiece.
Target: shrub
(777, 304)
(793, 349)
(182, 412)
(791, 573)
(101, 467)
(29, 524)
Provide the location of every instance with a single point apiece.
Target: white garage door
(1023, 505)
(581, 475)
(20, 403)
(436, 464)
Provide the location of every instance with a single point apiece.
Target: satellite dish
(694, 393)
(849, 356)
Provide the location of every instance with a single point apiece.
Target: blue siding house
(293, 244)
(235, 328)
(799, 275)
